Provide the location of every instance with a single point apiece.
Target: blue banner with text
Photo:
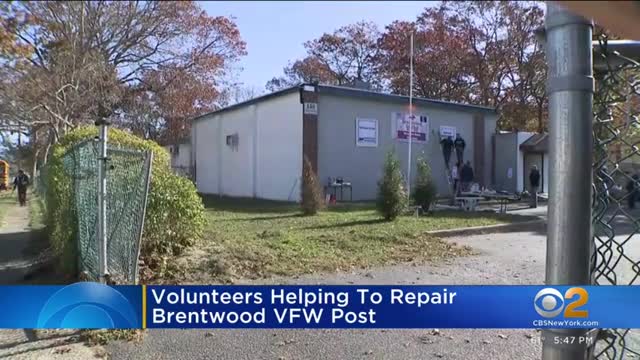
(92, 305)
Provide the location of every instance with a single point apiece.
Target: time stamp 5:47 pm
(563, 339)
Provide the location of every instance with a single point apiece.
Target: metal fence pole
(102, 203)
(569, 234)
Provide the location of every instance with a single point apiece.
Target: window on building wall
(232, 141)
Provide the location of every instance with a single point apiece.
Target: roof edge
(258, 99)
(354, 92)
(394, 97)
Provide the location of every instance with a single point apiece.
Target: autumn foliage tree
(343, 57)
(68, 63)
(440, 57)
(479, 52)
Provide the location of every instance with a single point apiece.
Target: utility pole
(569, 235)
(410, 116)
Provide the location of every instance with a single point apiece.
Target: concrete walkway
(540, 211)
(21, 251)
(15, 242)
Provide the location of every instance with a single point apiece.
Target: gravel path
(509, 258)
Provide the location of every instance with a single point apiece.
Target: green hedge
(175, 214)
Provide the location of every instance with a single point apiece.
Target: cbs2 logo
(550, 302)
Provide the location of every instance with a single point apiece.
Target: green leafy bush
(424, 192)
(312, 200)
(174, 218)
(392, 197)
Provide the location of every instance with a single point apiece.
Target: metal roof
(357, 93)
(353, 92)
(538, 143)
(251, 101)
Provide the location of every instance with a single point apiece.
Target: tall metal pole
(570, 88)
(102, 202)
(410, 116)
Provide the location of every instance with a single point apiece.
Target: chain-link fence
(616, 188)
(128, 177)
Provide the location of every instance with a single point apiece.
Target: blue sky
(275, 30)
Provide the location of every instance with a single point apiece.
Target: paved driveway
(510, 258)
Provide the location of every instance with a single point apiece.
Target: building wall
(267, 161)
(522, 137)
(545, 174)
(180, 155)
(280, 148)
(181, 158)
(338, 155)
(506, 157)
(490, 123)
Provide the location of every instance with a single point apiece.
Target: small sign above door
(310, 108)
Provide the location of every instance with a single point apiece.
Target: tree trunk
(540, 120)
(34, 166)
(45, 157)
(51, 141)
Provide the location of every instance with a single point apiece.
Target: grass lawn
(252, 239)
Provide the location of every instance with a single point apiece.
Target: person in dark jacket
(21, 182)
(632, 188)
(459, 145)
(447, 149)
(466, 176)
(534, 183)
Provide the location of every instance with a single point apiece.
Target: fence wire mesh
(616, 187)
(128, 175)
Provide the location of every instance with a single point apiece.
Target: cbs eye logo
(549, 303)
(87, 306)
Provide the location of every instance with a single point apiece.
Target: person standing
(466, 176)
(459, 145)
(447, 149)
(534, 183)
(455, 178)
(21, 182)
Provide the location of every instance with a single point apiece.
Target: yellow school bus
(4, 175)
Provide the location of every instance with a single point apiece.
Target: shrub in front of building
(311, 196)
(174, 217)
(392, 197)
(424, 192)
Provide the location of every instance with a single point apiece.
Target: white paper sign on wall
(366, 132)
(310, 108)
(447, 131)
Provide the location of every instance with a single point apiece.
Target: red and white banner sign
(401, 122)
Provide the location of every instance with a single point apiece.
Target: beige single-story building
(256, 148)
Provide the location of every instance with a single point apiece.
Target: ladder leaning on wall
(447, 175)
